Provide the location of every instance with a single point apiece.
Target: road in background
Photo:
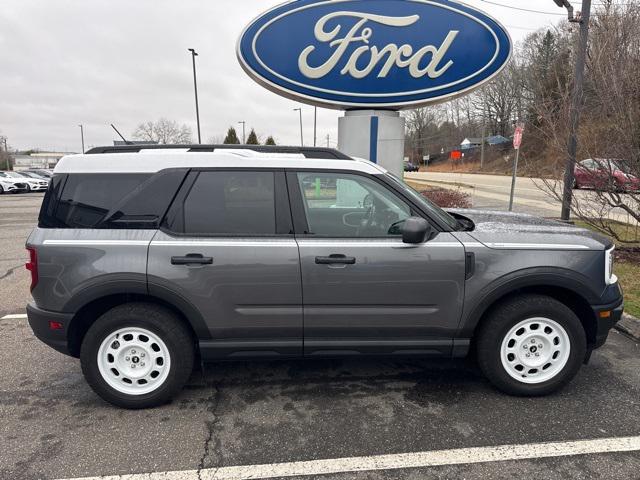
(18, 216)
(492, 192)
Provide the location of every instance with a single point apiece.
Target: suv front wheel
(531, 345)
(137, 355)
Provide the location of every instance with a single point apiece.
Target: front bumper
(14, 189)
(39, 321)
(608, 314)
(39, 188)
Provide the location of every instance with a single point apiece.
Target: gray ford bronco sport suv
(148, 261)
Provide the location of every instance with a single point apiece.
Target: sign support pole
(513, 179)
(517, 141)
(375, 135)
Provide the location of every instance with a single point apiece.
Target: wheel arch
(573, 293)
(93, 307)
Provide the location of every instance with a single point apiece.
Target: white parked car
(33, 184)
(10, 184)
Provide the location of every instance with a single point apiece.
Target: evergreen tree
(253, 138)
(232, 137)
(270, 141)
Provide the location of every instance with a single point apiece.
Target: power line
(523, 9)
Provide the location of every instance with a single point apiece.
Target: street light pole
(6, 151)
(315, 125)
(243, 125)
(576, 100)
(82, 136)
(195, 88)
(299, 110)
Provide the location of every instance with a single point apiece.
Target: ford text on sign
(373, 54)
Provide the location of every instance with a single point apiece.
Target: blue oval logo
(396, 54)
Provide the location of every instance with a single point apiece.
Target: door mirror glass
(415, 230)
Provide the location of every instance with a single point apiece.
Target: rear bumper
(39, 321)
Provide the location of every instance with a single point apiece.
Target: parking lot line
(458, 456)
(14, 316)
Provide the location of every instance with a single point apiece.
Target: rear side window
(109, 200)
(229, 203)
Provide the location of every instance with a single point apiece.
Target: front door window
(349, 205)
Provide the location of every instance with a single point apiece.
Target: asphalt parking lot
(53, 426)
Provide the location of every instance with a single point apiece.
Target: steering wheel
(369, 216)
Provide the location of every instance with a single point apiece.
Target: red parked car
(603, 174)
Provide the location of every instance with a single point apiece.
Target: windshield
(432, 208)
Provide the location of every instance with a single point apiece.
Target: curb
(440, 182)
(630, 326)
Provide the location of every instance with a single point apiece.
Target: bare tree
(163, 131)
(610, 127)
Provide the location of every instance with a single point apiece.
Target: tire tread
(161, 320)
(508, 313)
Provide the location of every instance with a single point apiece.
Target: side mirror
(415, 230)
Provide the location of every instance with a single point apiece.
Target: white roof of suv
(154, 160)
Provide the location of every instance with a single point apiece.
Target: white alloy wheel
(535, 350)
(134, 361)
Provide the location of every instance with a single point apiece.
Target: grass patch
(629, 275)
(629, 233)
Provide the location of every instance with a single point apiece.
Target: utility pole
(299, 110)
(82, 136)
(315, 125)
(576, 101)
(484, 135)
(243, 125)
(195, 88)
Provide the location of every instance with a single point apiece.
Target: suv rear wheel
(137, 355)
(531, 345)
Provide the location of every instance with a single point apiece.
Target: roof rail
(308, 152)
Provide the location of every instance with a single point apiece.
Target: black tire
(161, 322)
(1, 190)
(506, 316)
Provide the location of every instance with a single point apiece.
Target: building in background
(468, 143)
(37, 160)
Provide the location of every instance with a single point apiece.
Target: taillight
(32, 266)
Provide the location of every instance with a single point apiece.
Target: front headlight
(609, 276)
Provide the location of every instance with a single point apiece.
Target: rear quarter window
(109, 200)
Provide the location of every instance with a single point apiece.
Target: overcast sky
(96, 62)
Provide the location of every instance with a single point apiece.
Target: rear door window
(232, 203)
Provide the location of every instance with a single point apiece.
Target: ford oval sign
(394, 54)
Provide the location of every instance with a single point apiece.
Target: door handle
(336, 260)
(192, 259)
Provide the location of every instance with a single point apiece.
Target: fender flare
(137, 285)
(546, 277)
